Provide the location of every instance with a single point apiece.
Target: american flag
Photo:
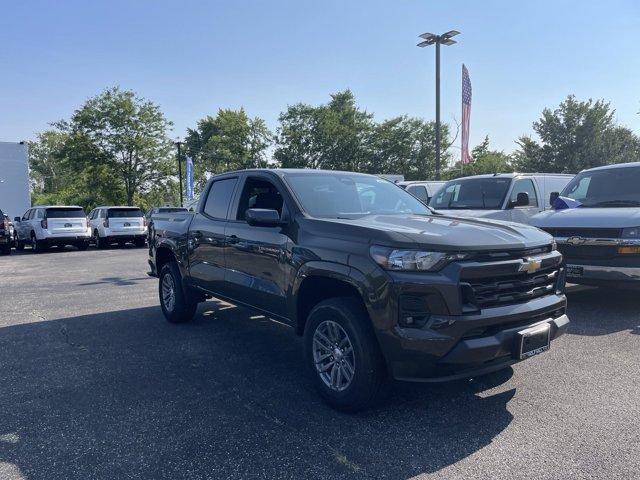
(466, 115)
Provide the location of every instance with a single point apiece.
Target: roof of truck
(57, 206)
(614, 165)
(516, 174)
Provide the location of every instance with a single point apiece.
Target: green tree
(334, 136)
(484, 160)
(121, 137)
(229, 141)
(574, 136)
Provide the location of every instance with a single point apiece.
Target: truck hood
(473, 213)
(588, 218)
(440, 232)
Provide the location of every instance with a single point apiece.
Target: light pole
(444, 39)
(178, 144)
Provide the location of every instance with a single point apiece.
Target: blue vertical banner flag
(189, 178)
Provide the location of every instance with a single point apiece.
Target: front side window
(524, 185)
(26, 215)
(347, 195)
(259, 193)
(419, 192)
(608, 188)
(484, 193)
(219, 198)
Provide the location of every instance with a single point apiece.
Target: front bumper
(602, 274)
(468, 345)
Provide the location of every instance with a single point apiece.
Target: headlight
(631, 232)
(412, 260)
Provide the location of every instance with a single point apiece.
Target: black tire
(370, 382)
(183, 308)
(139, 242)
(19, 245)
(100, 242)
(6, 249)
(82, 246)
(38, 246)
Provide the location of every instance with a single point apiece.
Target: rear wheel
(37, 246)
(100, 243)
(177, 306)
(343, 355)
(139, 242)
(19, 245)
(83, 246)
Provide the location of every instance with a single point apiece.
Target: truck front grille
(585, 232)
(505, 290)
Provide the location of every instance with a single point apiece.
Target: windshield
(610, 188)
(65, 213)
(346, 195)
(124, 212)
(486, 193)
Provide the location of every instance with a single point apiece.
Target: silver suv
(49, 225)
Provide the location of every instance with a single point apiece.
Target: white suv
(118, 225)
(45, 226)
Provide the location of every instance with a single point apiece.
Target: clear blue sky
(195, 57)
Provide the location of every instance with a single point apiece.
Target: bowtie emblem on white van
(530, 265)
(68, 225)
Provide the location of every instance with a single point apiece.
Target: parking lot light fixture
(437, 40)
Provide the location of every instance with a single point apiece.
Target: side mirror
(553, 197)
(262, 217)
(522, 200)
(16, 219)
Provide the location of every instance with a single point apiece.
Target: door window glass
(219, 198)
(259, 193)
(524, 185)
(418, 191)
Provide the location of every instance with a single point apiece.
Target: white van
(49, 225)
(514, 197)
(119, 225)
(423, 190)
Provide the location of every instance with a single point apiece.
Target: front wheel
(176, 306)
(343, 355)
(38, 246)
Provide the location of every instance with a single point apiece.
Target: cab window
(219, 198)
(524, 185)
(419, 192)
(259, 193)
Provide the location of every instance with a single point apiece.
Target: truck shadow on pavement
(127, 395)
(601, 311)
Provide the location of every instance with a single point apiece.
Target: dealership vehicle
(514, 197)
(6, 234)
(118, 225)
(379, 285)
(600, 239)
(52, 225)
(423, 190)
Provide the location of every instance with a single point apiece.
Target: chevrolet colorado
(379, 285)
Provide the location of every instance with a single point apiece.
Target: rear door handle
(233, 239)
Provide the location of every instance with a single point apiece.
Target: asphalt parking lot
(95, 384)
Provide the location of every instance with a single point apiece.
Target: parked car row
(47, 226)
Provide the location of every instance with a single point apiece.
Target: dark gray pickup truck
(378, 284)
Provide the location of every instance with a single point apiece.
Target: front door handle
(233, 239)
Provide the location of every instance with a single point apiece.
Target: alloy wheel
(333, 355)
(168, 292)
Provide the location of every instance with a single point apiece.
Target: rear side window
(124, 212)
(219, 198)
(65, 213)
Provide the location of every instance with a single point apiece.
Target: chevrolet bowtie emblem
(530, 265)
(576, 240)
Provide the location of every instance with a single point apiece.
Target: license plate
(575, 270)
(534, 340)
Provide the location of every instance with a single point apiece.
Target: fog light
(629, 250)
